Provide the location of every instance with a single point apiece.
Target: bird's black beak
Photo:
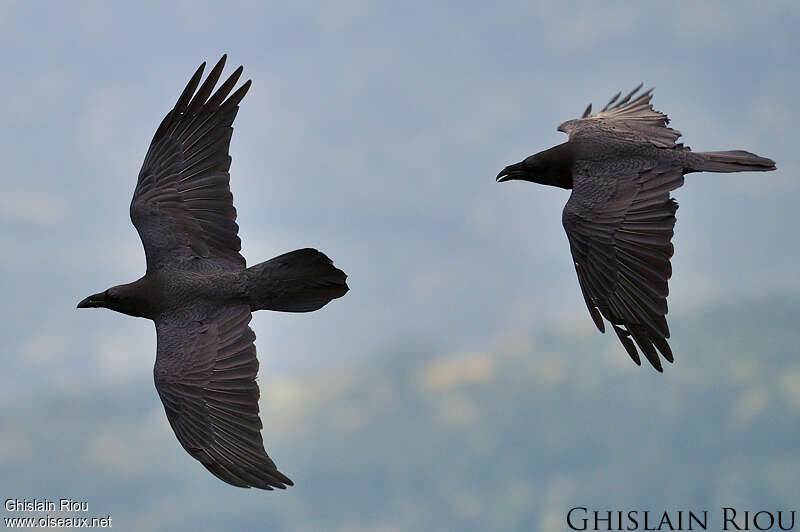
(514, 171)
(93, 301)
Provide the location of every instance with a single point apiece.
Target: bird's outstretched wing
(619, 233)
(205, 373)
(630, 117)
(182, 206)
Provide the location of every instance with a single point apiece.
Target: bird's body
(199, 292)
(621, 165)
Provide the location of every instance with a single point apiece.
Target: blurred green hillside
(507, 438)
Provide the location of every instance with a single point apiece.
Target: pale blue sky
(373, 132)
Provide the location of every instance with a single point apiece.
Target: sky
(373, 131)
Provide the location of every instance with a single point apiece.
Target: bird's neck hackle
(558, 165)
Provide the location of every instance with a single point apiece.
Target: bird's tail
(299, 281)
(730, 161)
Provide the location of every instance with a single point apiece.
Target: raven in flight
(621, 165)
(198, 290)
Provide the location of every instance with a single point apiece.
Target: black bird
(621, 165)
(198, 290)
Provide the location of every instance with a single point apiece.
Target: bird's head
(550, 167)
(120, 298)
(526, 170)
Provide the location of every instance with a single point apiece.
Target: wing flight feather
(182, 206)
(205, 374)
(621, 249)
